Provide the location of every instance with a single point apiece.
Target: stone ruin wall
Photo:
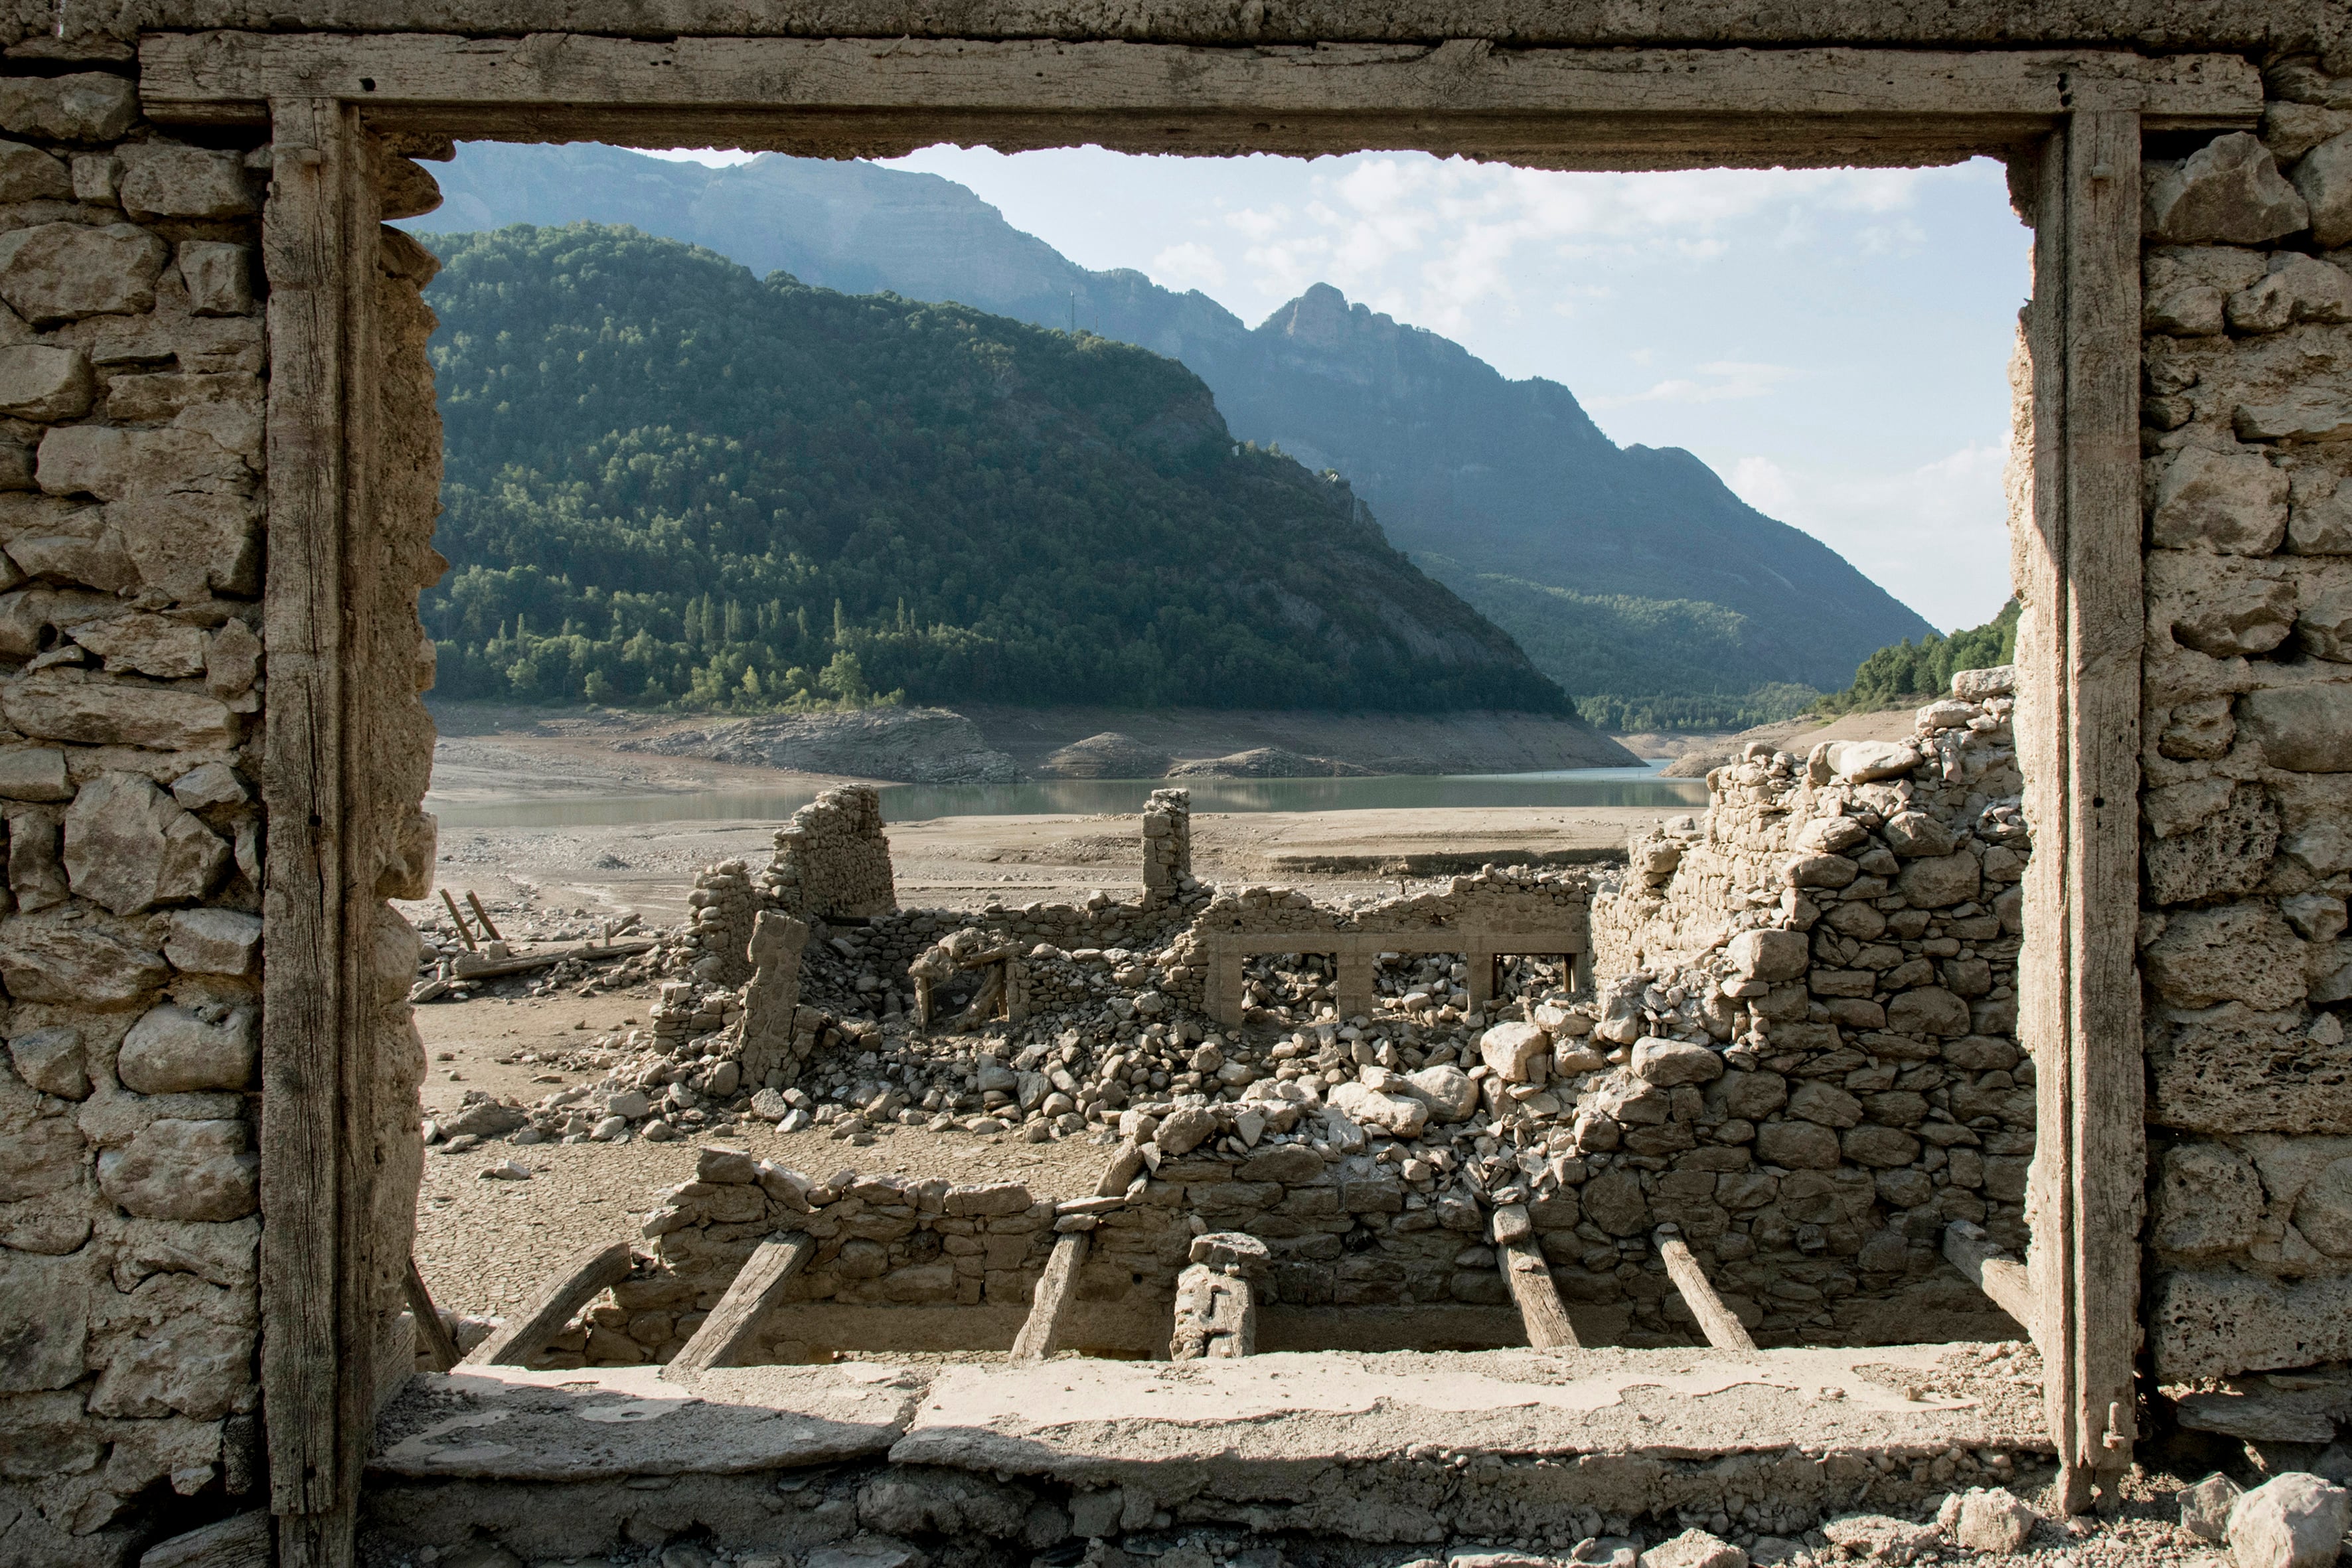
(1838, 933)
(2246, 738)
(133, 374)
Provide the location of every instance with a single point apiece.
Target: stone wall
(832, 860)
(2246, 738)
(1167, 846)
(131, 678)
(1812, 993)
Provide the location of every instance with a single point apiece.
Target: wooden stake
(1990, 1270)
(464, 930)
(1540, 1313)
(1721, 1326)
(1057, 1293)
(527, 1333)
(482, 915)
(429, 1327)
(732, 1324)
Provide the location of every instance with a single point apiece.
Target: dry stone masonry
(2247, 857)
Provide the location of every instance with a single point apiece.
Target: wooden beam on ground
(1615, 108)
(1719, 1322)
(429, 1327)
(527, 1333)
(731, 1324)
(2079, 650)
(1540, 1313)
(1990, 1269)
(1056, 1294)
(240, 1541)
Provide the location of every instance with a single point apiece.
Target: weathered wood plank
(2079, 570)
(429, 1327)
(1540, 1312)
(730, 1325)
(315, 1368)
(1056, 1296)
(1991, 1270)
(1719, 1322)
(240, 1541)
(527, 1333)
(182, 74)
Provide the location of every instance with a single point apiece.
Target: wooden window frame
(2070, 123)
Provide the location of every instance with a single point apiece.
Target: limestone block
(1694, 1549)
(2208, 1202)
(43, 1155)
(87, 106)
(2229, 190)
(1446, 1089)
(1880, 1147)
(2221, 605)
(2315, 415)
(2226, 854)
(1667, 1063)
(115, 462)
(1515, 1051)
(49, 1321)
(2305, 728)
(1865, 762)
(42, 381)
(1752, 1096)
(1915, 835)
(64, 272)
(46, 959)
(145, 644)
(213, 783)
(1830, 871)
(2320, 522)
(1825, 1103)
(233, 658)
(1769, 955)
(50, 1060)
(1614, 1201)
(2294, 1520)
(1183, 1129)
(2234, 502)
(2297, 289)
(171, 1050)
(1831, 835)
(1939, 881)
(1989, 1519)
(1399, 1115)
(1794, 1145)
(918, 1499)
(2241, 951)
(36, 871)
(2205, 1507)
(2324, 179)
(218, 277)
(218, 941)
(2219, 1322)
(179, 1168)
(2231, 1069)
(2198, 730)
(63, 704)
(130, 846)
(163, 179)
(188, 1366)
(29, 174)
(2177, 808)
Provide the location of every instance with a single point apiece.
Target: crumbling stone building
(220, 462)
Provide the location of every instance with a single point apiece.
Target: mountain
(1496, 487)
(668, 480)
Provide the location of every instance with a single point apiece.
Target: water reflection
(915, 802)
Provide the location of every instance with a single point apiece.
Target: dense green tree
(1907, 674)
(671, 483)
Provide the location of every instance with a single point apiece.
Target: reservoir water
(916, 803)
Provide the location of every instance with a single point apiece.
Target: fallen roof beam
(1529, 1277)
(1719, 1322)
(1991, 1270)
(524, 1335)
(732, 1324)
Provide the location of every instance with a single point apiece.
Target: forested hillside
(1598, 559)
(1903, 674)
(671, 482)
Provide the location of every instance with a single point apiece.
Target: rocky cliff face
(1498, 476)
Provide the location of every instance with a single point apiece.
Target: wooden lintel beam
(728, 1330)
(527, 1333)
(1563, 107)
(1718, 1321)
(1057, 1293)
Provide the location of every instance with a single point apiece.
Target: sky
(1833, 342)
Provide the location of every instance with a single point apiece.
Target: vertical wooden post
(2079, 667)
(318, 247)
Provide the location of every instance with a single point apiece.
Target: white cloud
(1725, 379)
(717, 157)
(1188, 266)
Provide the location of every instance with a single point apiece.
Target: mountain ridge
(1476, 476)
